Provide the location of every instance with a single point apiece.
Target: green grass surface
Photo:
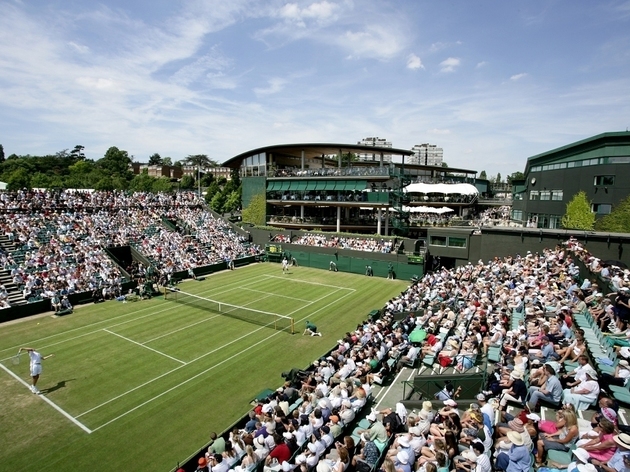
(150, 380)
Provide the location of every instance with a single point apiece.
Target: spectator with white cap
(401, 462)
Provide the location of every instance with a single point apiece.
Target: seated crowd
(58, 239)
(343, 242)
(533, 319)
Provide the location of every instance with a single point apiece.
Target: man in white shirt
(36, 365)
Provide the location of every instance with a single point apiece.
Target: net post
(292, 326)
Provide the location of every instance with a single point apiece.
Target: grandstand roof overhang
(314, 150)
(577, 150)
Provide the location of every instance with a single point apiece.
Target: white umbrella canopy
(447, 189)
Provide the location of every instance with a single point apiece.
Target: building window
(456, 242)
(533, 195)
(536, 169)
(604, 180)
(554, 221)
(619, 160)
(438, 240)
(545, 194)
(601, 208)
(517, 215)
(517, 196)
(556, 195)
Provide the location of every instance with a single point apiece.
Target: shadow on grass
(59, 385)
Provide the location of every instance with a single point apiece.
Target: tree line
(71, 169)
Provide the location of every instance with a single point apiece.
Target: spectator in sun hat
(606, 410)
(584, 394)
(369, 453)
(620, 461)
(619, 377)
(376, 431)
(517, 459)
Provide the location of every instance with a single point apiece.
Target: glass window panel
(438, 240)
(533, 195)
(545, 194)
(557, 195)
(456, 242)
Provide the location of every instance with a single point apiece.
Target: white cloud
(481, 64)
(449, 65)
(439, 131)
(318, 11)
(374, 41)
(276, 85)
(80, 48)
(414, 62)
(518, 76)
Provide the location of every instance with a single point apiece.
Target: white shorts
(36, 369)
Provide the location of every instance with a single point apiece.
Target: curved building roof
(313, 150)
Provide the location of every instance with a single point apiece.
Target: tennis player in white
(36, 365)
(285, 265)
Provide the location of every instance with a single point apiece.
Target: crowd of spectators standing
(528, 314)
(57, 239)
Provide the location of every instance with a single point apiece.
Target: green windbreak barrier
(299, 185)
(283, 186)
(340, 185)
(310, 185)
(271, 186)
(330, 185)
(320, 185)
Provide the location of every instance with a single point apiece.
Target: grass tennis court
(139, 386)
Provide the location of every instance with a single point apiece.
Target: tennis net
(250, 315)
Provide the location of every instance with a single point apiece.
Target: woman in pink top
(603, 447)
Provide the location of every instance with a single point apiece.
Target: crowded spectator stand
(545, 337)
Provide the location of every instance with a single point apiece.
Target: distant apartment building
(427, 155)
(217, 172)
(172, 172)
(374, 142)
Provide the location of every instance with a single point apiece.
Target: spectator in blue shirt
(518, 459)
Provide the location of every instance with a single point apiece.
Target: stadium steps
(15, 295)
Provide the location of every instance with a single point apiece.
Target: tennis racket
(16, 359)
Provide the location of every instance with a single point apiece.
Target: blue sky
(491, 82)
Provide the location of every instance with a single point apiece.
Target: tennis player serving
(36, 365)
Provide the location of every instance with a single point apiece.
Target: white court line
(277, 295)
(109, 320)
(204, 372)
(50, 402)
(388, 389)
(189, 362)
(204, 320)
(310, 283)
(142, 345)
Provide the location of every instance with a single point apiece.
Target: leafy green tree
(116, 162)
(483, 175)
(578, 214)
(40, 180)
(155, 160)
(207, 179)
(163, 184)
(235, 177)
(618, 221)
(167, 161)
(81, 168)
(233, 201)
(256, 211)
(187, 182)
(498, 178)
(217, 202)
(77, 152)
(1, 154)
(515, 176)
(105, 183)
(211, 191)
(142, 183)
(200, 161)
(18, 179)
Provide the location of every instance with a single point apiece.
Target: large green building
(599, 166)
(324, 186)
